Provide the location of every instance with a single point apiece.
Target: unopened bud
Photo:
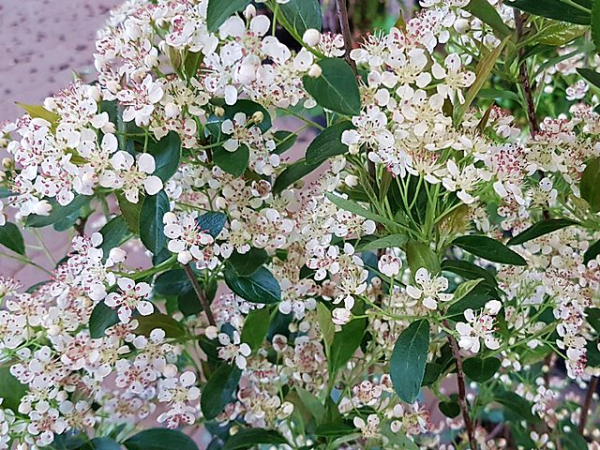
(219, 111)
(351, 181)
(7, 163)
(250, 12)
(258, 117)
(311, 37)
(315, 71)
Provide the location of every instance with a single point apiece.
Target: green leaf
(420, 255)
(336, 89)
(450, 409)
(219, 11)
(39, 112)
(326, 325)
(151, 222)
(131, 212)
(160, 439)
(355, 208)
(481, 369)
(114, 234)
(490, 249)
(470, 271)
(102, 318)
(345, 343)
(11, 238)
(251, 437)
(248, 263)
(212, 222)
(591, 76)
(465, 289)
(407, 364)
(285, 140)
(391, 241)
(260, 287)
(256, 327)
(234, 163)
(593, 318)
(101, 443)
(11, 390)
(518, 405)
(219, 390)
(189, 303)
(58, 212)
(483, 71)
(540, 229)
(558, 34)
(167, 155)
(170, 326)
(302, 15)
(589, 184)
(328, 143)
(488, 14)
(499, 94)
(473, 301)
(312, 403)
(291, 174)
(553, 9)
(592, 252)
(173, 282)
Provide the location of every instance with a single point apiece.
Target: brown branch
(592, 387)
(342, 10)
(524, 81)
(462, 392)
(200, 293)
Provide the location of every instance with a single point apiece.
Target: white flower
(370, 428)
(430, 290)
(479, 327)
(389, 265)
(371, 130)
(132, 297)
(131, 178)
(233, 349)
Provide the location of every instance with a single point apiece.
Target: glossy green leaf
(553, 9)
(247, 263)
(260, 287)
(391, 241)
(11, 238)
(589, 184)
(219, 11)
(160, 439)
(490, 249)
(101, 319)
(481, 369)
(58, 212)
(151, 221)
(407, 364)
(39, 112)
(518, 405)
(345, 343)
(592, 252)
(355, 208)
(173, 282)
(312, 403)
(114, 234)
(558, 34)
(488, 14)
(450, 409)
(285, 140)
(219, 390)
(212, 222)
(131, 212)
(328, 143)
(11, 390)
(101, 443)
(256, 327)
(470, 271)
(302, 15)
(326, 325)
(593, 318)
(540, 229)
(291, 174)
(167, 155)
(420, 255)
(234, 163)
(591, 76)
(252, 437)
(336, 89)
(170, 326)
(189, 303)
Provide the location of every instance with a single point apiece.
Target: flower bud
(7, 163)
(258, 117)
(311, 37)
(351, 181)
(250, 12)
(462, 26)
(315, 71)
(219, 111)
(43, 208)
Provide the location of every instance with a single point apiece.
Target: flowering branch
(200, 293)
(342, 9)
(592, 387)
(462, 392)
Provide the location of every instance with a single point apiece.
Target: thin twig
(462, 392)
(534, 127)
(342, 10)
(592, 387)
(200, 293)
